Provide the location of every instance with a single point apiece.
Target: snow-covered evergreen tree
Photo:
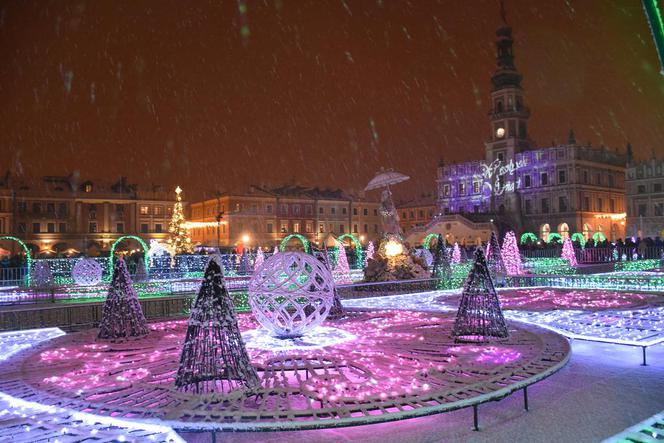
(442, 269)
(214, 358)
(122, 316)
(179, 241)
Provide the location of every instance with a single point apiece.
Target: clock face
(500, 132)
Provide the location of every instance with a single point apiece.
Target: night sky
(311, 92)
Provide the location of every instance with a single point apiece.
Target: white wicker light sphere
(291, 293)
(87, 272)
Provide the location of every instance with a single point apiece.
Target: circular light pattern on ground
(538, 299)
(399, 364)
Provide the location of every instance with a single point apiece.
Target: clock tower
(508, 114)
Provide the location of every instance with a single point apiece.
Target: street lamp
(220, 215)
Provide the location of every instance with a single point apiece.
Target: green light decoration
(111, 261)
(555, 238)
(577, 236)
(358, 246)
(654, 13)
(548, 266)
(637, 265)
(303, 240)
(426, 243)
(598, 237)
(527, 236)
(28, 256)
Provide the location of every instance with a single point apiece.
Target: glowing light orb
(393, 248)
(291, 293)
(87, 272)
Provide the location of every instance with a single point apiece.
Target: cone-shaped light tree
(260, 258)
(511, 255)
(442, 270)
(179, 241)
(122, 316)
(337, 310)
(370, 253)
(456, 254)
(214, 358)
(568, 252)
(494, 259)
(276, 250)
(342, 271)
(479, 318)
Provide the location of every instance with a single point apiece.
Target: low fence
(600, 255)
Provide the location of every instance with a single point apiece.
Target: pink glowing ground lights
(538, 299)
(384, 363)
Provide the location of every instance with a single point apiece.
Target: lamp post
(220, 216)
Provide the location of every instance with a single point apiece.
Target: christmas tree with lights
(122, 316)
(337, 310)
(568, 252)
(479, 318)
(179, 241)
(511, 255)
(214, 358)
(442, 270)
(342, 271)
(456, 254)
(494, 258)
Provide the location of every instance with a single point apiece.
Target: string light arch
(146, 258)
(528, 236)
(426, 243)
(577, 236)
(356, 242)
(28, 256)
(303, 240)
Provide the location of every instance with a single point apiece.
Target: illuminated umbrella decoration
(384, 179)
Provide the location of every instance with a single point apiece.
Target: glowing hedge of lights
(548, 266)
(638, 265)
(28, 256)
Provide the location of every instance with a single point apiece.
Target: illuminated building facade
(564, 188)
(263, 217)
(64, 214)
(644, 189)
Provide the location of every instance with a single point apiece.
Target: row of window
(285, 209)
(563, 205)
(49, 208)
(411, 214)
(285, 227)
(644, 189)
(528, 182)
(643, 210)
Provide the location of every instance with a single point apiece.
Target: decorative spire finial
(503, 13)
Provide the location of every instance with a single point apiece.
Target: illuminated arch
(426, 243)
(577, 236)
(528, 236)
(303, 240)
(545, 230)
(598, 237)
(28, 256)
(146, 258)
(555, 238)
(356, 242)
